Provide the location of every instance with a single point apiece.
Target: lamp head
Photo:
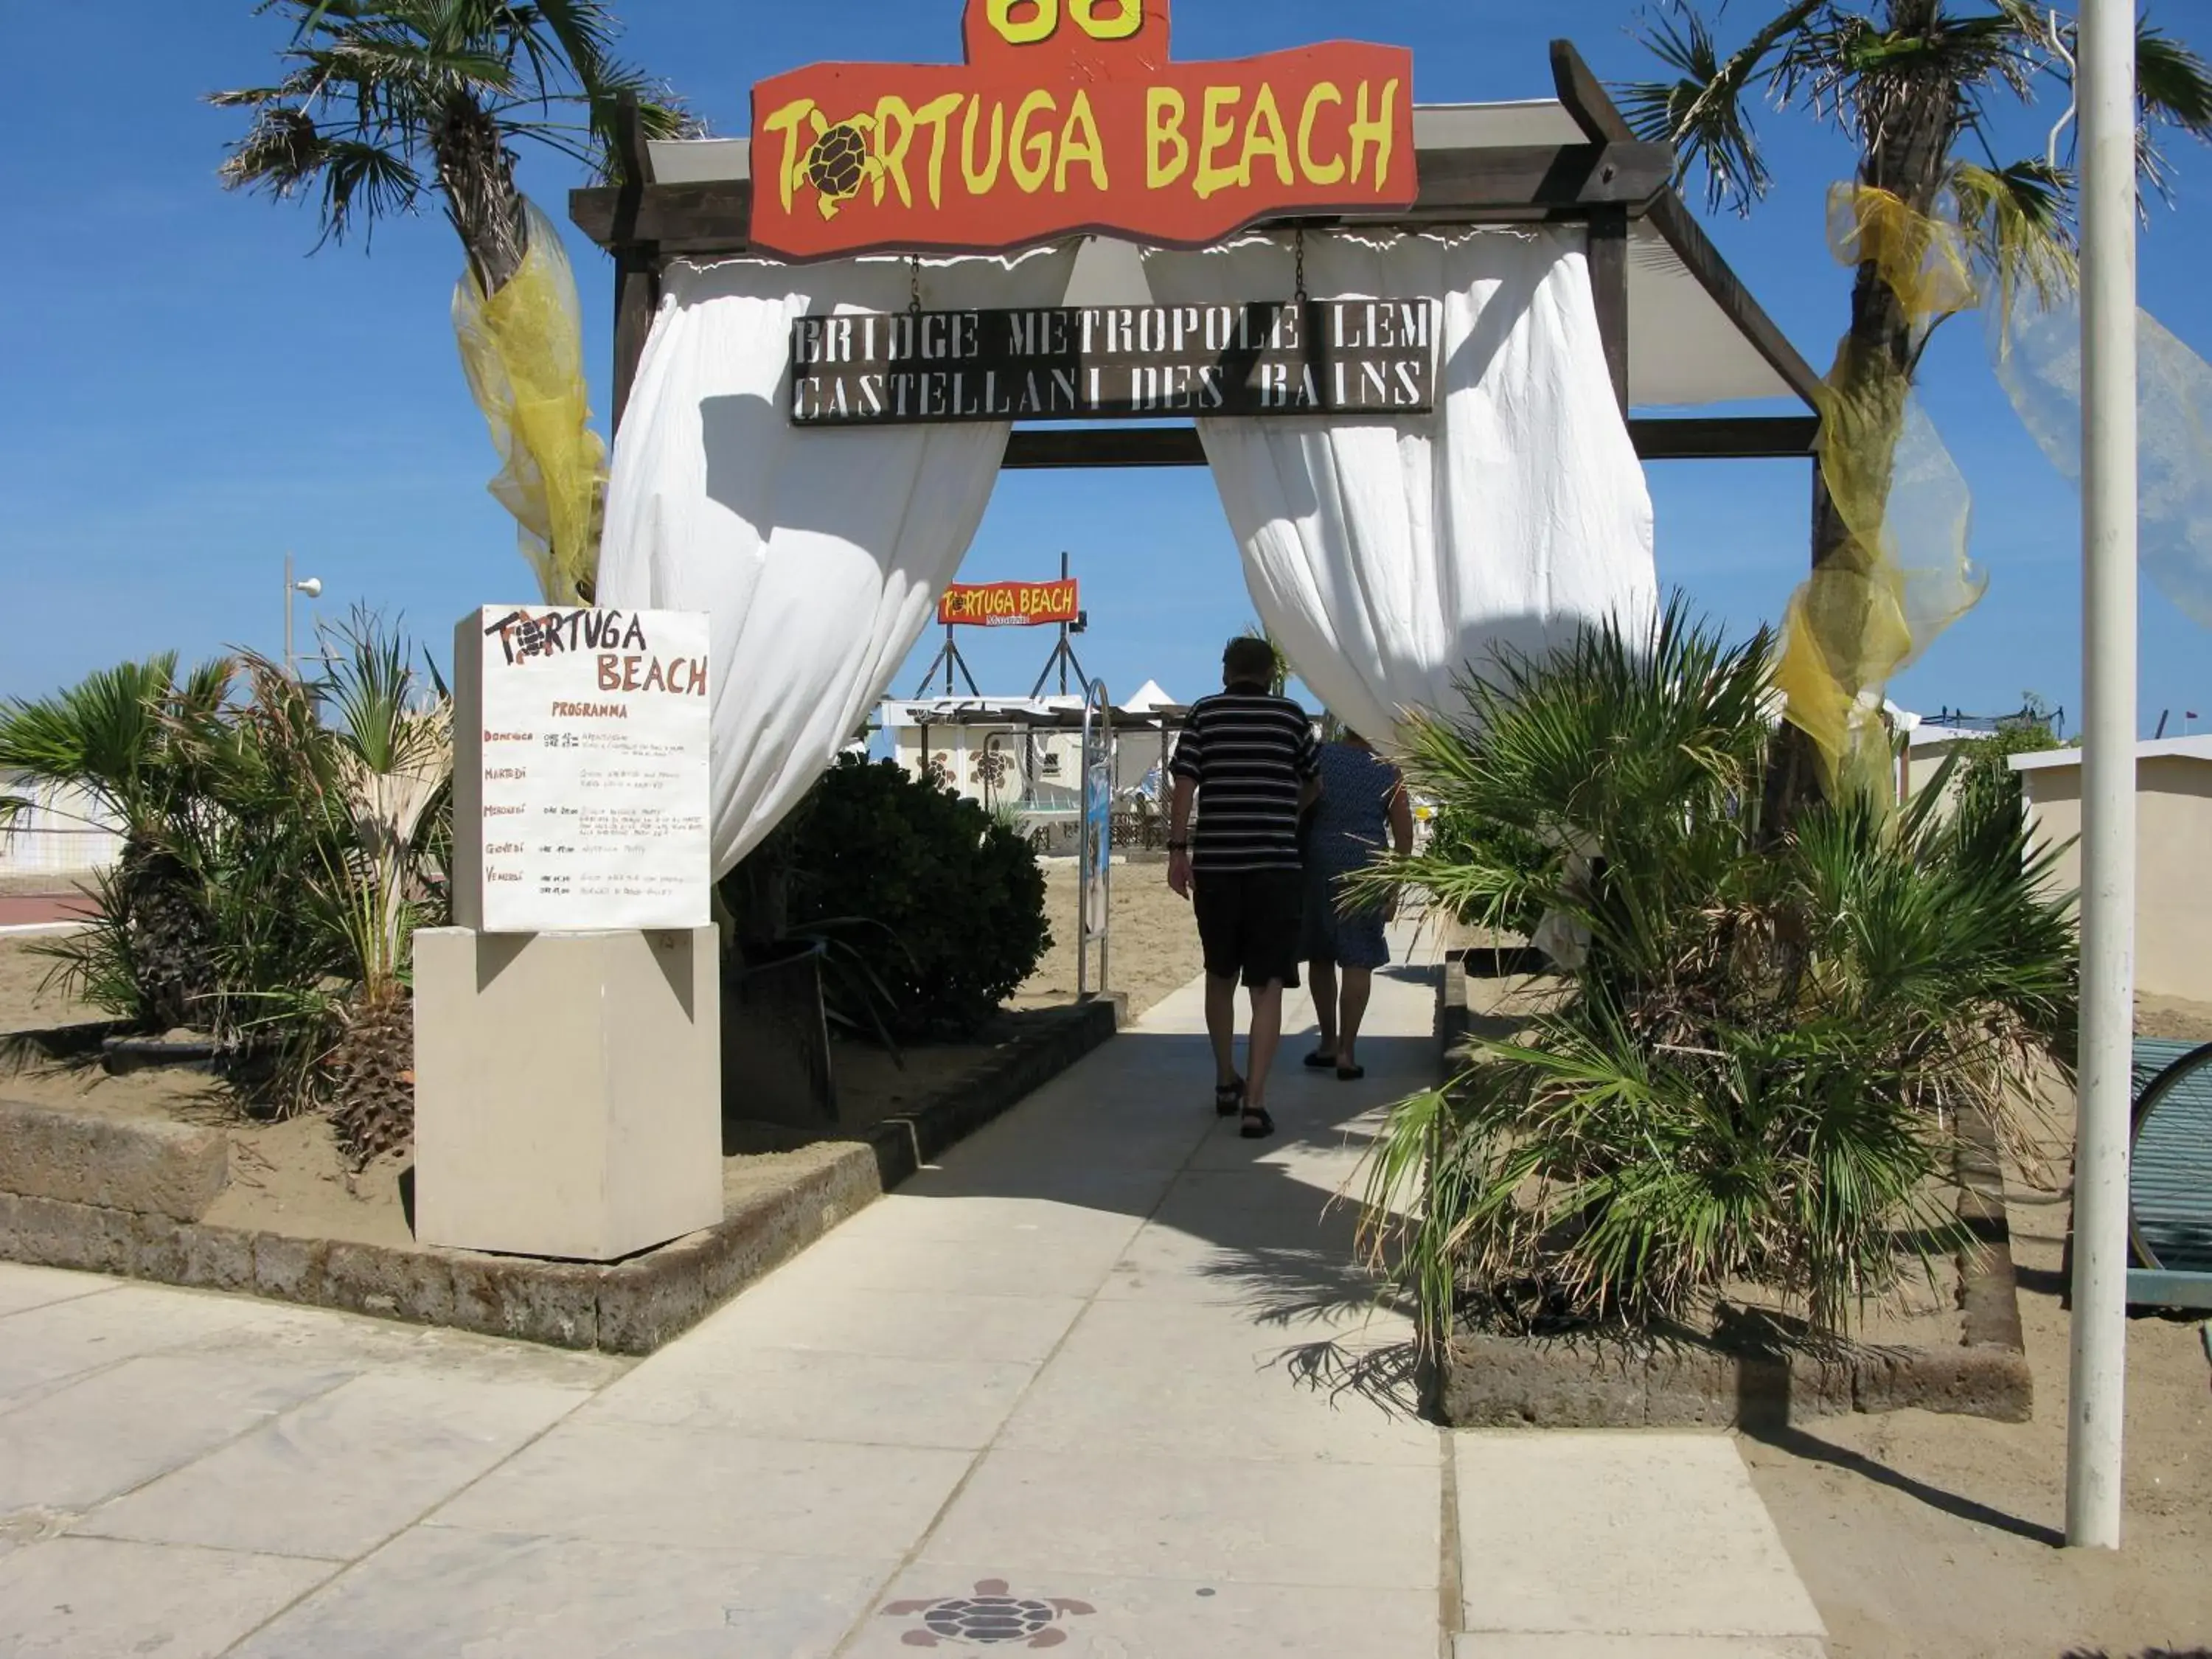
(312, 586)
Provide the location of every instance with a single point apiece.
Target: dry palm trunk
(477, 176)
(373, 1072)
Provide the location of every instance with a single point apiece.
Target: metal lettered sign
(1374, 358)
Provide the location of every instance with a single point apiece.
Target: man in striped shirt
(1248, 757)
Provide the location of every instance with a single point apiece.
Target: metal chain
(913, 285)
(1298, 246)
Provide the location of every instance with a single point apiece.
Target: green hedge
(955, 898)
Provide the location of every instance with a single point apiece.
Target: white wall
(65, 833)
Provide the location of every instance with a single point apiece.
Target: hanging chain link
(1298, 253)
(913, 285)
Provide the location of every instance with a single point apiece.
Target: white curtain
(819, 555)
(1385, 555)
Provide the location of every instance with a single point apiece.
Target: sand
(26, 1002)
(1152, 941)
(1930, 1537)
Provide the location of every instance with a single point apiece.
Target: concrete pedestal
(567, 1090)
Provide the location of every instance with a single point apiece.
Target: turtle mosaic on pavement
(840, 160)
(991, 1616)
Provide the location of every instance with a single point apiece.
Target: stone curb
(630, 1307)
(1502, 1382)
(175, 1170)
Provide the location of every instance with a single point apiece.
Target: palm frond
(2017, 223)
(382, 99)
(1703, 111)
(2174, 88)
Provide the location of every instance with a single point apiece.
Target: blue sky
(191, 394)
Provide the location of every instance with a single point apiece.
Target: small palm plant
(392, 766)
(123, 736)
(1756, 1072)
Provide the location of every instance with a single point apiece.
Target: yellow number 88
(1128, 18)
(1025, 22)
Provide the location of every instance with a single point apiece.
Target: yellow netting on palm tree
(523, 348)
(1903, 574)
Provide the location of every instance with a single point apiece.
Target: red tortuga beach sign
(1008, 605)
(1068, 116)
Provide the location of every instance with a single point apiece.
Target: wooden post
(1608, 268)
(637, 264)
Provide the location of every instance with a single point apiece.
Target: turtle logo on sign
(839, 161)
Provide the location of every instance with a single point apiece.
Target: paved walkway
(1108, 1362)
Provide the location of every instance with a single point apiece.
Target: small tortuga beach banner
(1068, 116)
(1009, 605)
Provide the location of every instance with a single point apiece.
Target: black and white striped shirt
(1248, 752)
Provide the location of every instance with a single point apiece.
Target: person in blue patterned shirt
(1363, 801)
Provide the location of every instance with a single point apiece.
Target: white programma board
(580, 770)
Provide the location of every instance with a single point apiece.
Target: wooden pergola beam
(1593, 111)
(1458, 186)
(1739, 437)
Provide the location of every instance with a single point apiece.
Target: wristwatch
(1178, 846)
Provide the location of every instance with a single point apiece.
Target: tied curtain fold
(818, 555)
(1389, 555)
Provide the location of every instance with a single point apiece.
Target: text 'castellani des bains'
(1374, 357)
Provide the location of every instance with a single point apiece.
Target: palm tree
(1915, 85)
(1912, 82)
(382, 102)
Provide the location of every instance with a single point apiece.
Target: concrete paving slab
(86, 1598)
(1178, 1380)
(23, 1287)
(441, 1590)
(1079, 1207)
(799, 1393)
(395, 1445)
(45, 1346)
(109, 1433)
(963, 1267)
(1048, 1515)
(1665, 1534)
(1170, 1617)
(794, 1311)
(1290, 1257)
(1072, 1358)
(635, 1483)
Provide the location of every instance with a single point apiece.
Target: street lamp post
(313, 588)
(2097, 1385)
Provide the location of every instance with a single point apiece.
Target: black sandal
(1257, 1125)
(1350, 1073)
(1229, 1098)
(1319, 1062)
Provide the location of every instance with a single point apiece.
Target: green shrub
(1755, 1075)
(1986, 788)
(945, 903)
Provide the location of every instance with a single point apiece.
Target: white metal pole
(290, 667)
(2099, 1380)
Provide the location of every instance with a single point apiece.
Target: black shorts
(1248, 924)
